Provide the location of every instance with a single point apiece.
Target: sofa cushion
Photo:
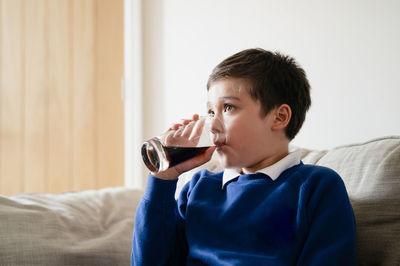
(371, 173)
(76, 228)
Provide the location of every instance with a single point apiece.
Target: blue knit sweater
(302, 218)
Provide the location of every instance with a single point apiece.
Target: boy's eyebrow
(229, 98)
(225, 98)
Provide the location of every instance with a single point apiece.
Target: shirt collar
(273, 171)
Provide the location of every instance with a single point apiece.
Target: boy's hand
(186, 134)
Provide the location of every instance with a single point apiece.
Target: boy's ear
(282, 116)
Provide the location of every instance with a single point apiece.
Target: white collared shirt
(273, 171)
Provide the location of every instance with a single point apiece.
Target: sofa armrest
(76, 228)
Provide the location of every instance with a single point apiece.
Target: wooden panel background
(61, 113)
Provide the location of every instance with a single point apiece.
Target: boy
(266, 207)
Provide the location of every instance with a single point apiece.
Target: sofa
(95, 227)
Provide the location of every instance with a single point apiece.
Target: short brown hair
(274, 79)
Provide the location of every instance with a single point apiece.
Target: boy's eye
(210, 113)
(228, 107)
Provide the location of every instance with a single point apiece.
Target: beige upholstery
(371, 172)
(78, 228)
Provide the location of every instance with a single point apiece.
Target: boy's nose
(217, 125)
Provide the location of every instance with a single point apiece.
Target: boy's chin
(226, 163)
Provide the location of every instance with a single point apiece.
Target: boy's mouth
(219, 144)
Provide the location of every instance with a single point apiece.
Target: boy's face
(243, 136)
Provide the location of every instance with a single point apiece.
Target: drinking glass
(177, 145)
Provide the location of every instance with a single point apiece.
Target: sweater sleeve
(158, 235)
(331, 239)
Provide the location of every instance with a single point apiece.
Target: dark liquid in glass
(175, 155)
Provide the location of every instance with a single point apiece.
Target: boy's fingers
(178, 132)
(196, 132)
(174, 127)
(184, 131)
(188, 129)
(186, 121)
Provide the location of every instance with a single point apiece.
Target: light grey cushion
(371, 172)
(77, 228)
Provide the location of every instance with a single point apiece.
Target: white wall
(349, 48)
